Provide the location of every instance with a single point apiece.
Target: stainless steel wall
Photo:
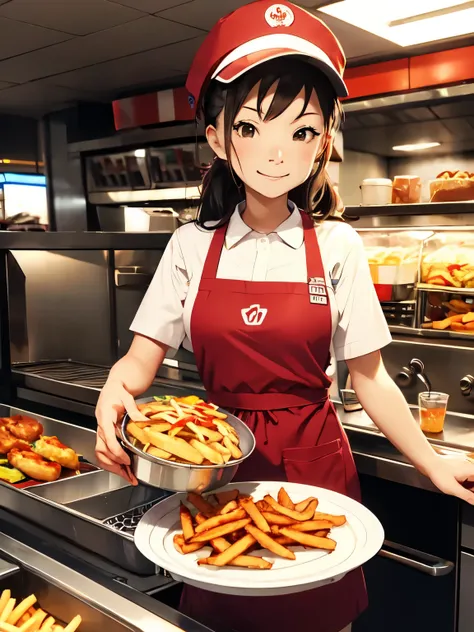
(445, 364)
(59, 306)
(135, 269)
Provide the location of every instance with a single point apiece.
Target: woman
(266, 296)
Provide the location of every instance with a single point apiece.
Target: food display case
(394, 261)
(424, 278)
(446, 288)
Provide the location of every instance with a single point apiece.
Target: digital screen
(25, 198)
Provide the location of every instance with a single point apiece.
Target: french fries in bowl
(186, 444)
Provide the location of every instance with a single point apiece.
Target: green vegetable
(11, 475)
(162, 398)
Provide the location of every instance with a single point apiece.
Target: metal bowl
(181, 477)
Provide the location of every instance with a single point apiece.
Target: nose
(276, 156)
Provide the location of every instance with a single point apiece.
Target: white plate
(357, 542)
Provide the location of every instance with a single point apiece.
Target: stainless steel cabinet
(466, 602)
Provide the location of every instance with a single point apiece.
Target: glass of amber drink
(432, 411)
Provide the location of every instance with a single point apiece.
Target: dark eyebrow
(246, 107)
(307, 114)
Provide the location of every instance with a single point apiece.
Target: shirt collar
(290, 231)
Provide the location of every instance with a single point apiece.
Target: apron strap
(214, 254)
(314, 264)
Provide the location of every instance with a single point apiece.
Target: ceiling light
(407, 22)
(140, 153)
(415, 146)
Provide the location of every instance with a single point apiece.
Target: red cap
(261, 31)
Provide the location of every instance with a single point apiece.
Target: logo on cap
(279, 15)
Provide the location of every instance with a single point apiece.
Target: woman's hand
(114, 402)
(449, 474)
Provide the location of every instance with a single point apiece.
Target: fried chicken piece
(52, 449)
(34, 466)
(9, 442)
(25, 428)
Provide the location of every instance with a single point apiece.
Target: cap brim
(239, 66)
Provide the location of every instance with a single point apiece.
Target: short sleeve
(160, 315)
(362, 327)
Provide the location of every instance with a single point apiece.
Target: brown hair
(222, 188)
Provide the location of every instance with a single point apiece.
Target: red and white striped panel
(155, 108)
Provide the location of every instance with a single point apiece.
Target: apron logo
(279, 15)
(254, 315)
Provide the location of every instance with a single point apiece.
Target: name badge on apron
(317, 291)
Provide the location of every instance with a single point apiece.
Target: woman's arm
(138, 368)
(386, 406)
(129, 377)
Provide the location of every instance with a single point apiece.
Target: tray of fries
(25, 616)
(259, 539)
(186, 444)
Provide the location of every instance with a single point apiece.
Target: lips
(273, 177)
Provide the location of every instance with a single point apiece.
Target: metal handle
(134, 279)
(405, 378)
(418, 369)
(164, 211)
(467, 384)
(423, 562)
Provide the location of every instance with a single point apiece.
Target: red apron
(262, 349)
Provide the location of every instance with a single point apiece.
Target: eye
(245, 130)
(306, 134)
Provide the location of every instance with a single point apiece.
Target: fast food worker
(269, 290)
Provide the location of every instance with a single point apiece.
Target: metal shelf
(426, 208)
(435, 335)
(427, 287)
(10, 240)
(83, 382)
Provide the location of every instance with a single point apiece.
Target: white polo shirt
(358, 324)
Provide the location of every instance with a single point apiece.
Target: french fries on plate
(24, 616)
(234, 526)
(185, 430)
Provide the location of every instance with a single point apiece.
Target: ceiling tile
(149, 68)
(38, 97)
(180, 55)
(150, 6)
(18, 38)
(127, 39)
(119, 74)
(78, 17)
(203, 14)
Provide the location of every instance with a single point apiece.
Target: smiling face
(272, 154)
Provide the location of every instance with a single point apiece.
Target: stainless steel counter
(111, 591)
(61, 591)
(376, 456)
(458, 432)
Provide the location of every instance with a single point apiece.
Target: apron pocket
(320, 465)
